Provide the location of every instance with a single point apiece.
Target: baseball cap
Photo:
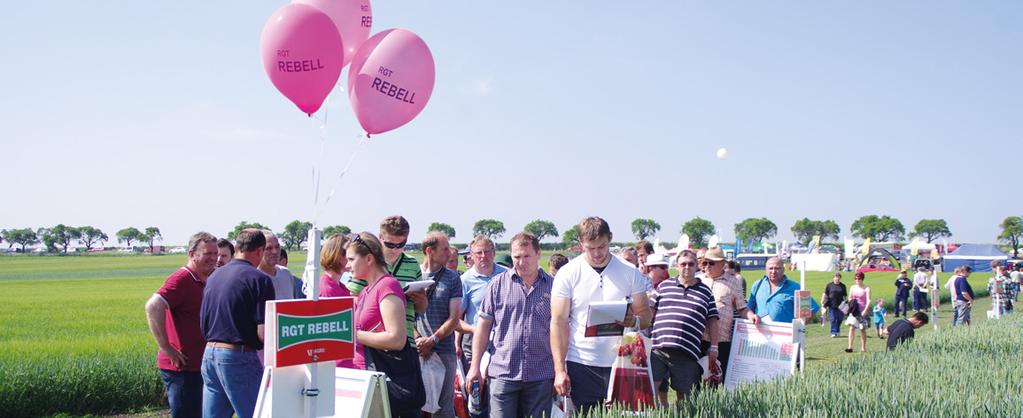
(656, 259)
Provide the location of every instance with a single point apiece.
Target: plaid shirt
(522, 327)
(729, 300)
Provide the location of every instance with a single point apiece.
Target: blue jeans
(900, 304)
(836, 317)
(232, 380)
(184, 393)
(511, 398)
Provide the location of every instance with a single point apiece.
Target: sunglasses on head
(356, 239)
(395, 245)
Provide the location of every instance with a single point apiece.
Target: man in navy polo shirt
(233, 307)
(963, 297)
(173, 315)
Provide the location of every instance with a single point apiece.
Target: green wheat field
(74, 340)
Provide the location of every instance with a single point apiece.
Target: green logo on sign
(292, 330)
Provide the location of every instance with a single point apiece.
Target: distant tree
(643, 228)
(48, 238)
(878, 228)
(336, 229)
(488, 227)
(244, 225)
(571, 236)
(63, 235)
(151, 235)
(755, 229)
(442, 227)
(129, 235)
(698, 230)
(295, 233)
(90, 236)
(23, 237)
(931, 229)
(542, 229)
(805, 229)
(1012, 233)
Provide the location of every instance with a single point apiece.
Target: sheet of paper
(417, 286)
(600, 321)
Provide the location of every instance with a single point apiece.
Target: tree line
(877, 228)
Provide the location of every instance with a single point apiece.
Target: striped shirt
(406, 270)
(682, 315)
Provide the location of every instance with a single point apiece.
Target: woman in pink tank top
(860, 294)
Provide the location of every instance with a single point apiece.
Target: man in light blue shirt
(773, 297)
(474, 286)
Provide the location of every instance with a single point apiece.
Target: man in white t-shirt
(582, 365)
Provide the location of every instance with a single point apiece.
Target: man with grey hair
(284, 282)
(629, 254)
(173, 316)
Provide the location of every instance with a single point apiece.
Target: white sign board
(760, 352)
(288, 400)
(352, 393)
(360, 393)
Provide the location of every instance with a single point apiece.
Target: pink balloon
(353, 19)
(302, 54)
(391, 80)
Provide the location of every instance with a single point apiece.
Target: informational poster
(760, 352)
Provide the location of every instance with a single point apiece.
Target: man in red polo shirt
(173, 314)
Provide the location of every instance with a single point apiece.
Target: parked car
(177, 250)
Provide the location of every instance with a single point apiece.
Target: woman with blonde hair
(333, 260)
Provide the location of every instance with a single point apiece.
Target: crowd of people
(515, 331)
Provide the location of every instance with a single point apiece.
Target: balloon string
(317, 169)
(362, 142)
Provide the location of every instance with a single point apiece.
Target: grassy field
(73, 335)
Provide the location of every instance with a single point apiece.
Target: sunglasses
(708, 263)
(395, 245)
(356, 239)
(687, 264)
(658, 266)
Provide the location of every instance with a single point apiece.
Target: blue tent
(977, 256)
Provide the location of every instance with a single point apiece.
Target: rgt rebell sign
(306, 331)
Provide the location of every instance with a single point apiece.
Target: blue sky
(143, 114)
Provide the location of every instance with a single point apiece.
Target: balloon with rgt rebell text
(353, 19)
(391, 80)
(302, 54)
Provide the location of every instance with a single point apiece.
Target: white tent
(816, 262)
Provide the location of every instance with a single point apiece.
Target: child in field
(879, 314)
